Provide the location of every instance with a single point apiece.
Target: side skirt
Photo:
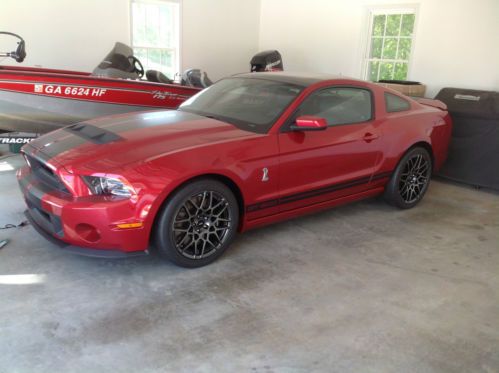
(310, 209)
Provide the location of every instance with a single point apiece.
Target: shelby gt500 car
(250, 150)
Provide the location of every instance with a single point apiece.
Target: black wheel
(410, 180)
(197, 224)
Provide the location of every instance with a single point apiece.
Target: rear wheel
(197, 224)
(410, 180)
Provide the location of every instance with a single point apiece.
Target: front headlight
(106, 186)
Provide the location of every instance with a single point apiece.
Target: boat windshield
(118, 63)
(251, 104)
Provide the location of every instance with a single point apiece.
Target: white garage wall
(64, 34)
(218, 36)
(455, 40)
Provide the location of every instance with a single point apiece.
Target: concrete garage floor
(362, 288)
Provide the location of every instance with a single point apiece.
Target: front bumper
(85, 251)
(84, 225)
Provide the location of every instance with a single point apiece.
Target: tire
(197, 224)
(410, 180)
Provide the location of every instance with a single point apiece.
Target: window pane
(373, 71)
(404, 49)
(166, 37)
(141, 54)
(339, 105)
(395, 103)
(139, 18)
(393, 25)
(390, 48)
(391, 42)
(167, 60)
(379, 25)
(166, 57)
(154, 59)
(152, 26)
(400, 71)
(376, 45)
(386, 70)
(407, 25)
(155, 35)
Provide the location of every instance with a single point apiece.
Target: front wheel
(410, 180)
(197, 224)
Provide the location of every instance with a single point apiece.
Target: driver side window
(339, 105)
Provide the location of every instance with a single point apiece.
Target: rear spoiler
(429, 102)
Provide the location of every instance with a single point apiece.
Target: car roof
(297, 78)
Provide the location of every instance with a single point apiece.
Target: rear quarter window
(394, 103)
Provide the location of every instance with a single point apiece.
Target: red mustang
(250, 150)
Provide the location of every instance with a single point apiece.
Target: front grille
(48, 222)
(45, 175)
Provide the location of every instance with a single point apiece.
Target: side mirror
(309, 123)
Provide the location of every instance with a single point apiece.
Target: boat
(39, 100)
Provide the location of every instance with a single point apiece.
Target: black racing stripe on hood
(92, 133)
(82, 133)
(79, 134)
(52, 149)
(148, 119)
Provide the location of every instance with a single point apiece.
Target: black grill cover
(474, 150)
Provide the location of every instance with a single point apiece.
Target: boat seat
(158, 77)
(196, 78)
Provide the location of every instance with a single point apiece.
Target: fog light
(87, 232)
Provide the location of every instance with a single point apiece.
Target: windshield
(248, 103)
(119, 63)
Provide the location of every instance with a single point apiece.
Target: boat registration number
(68, 90)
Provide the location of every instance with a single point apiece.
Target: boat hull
(40, 100)
(20, 112)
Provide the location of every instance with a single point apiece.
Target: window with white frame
(389, 44)
(156, 34)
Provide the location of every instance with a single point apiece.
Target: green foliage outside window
(391, 43)
(155, 35)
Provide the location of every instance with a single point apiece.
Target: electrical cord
(10, 226)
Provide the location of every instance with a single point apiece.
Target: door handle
(368, 137)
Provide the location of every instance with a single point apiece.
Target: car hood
(110, 143)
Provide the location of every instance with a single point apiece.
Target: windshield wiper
(213, 117)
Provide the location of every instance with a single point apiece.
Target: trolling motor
(20, 53)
